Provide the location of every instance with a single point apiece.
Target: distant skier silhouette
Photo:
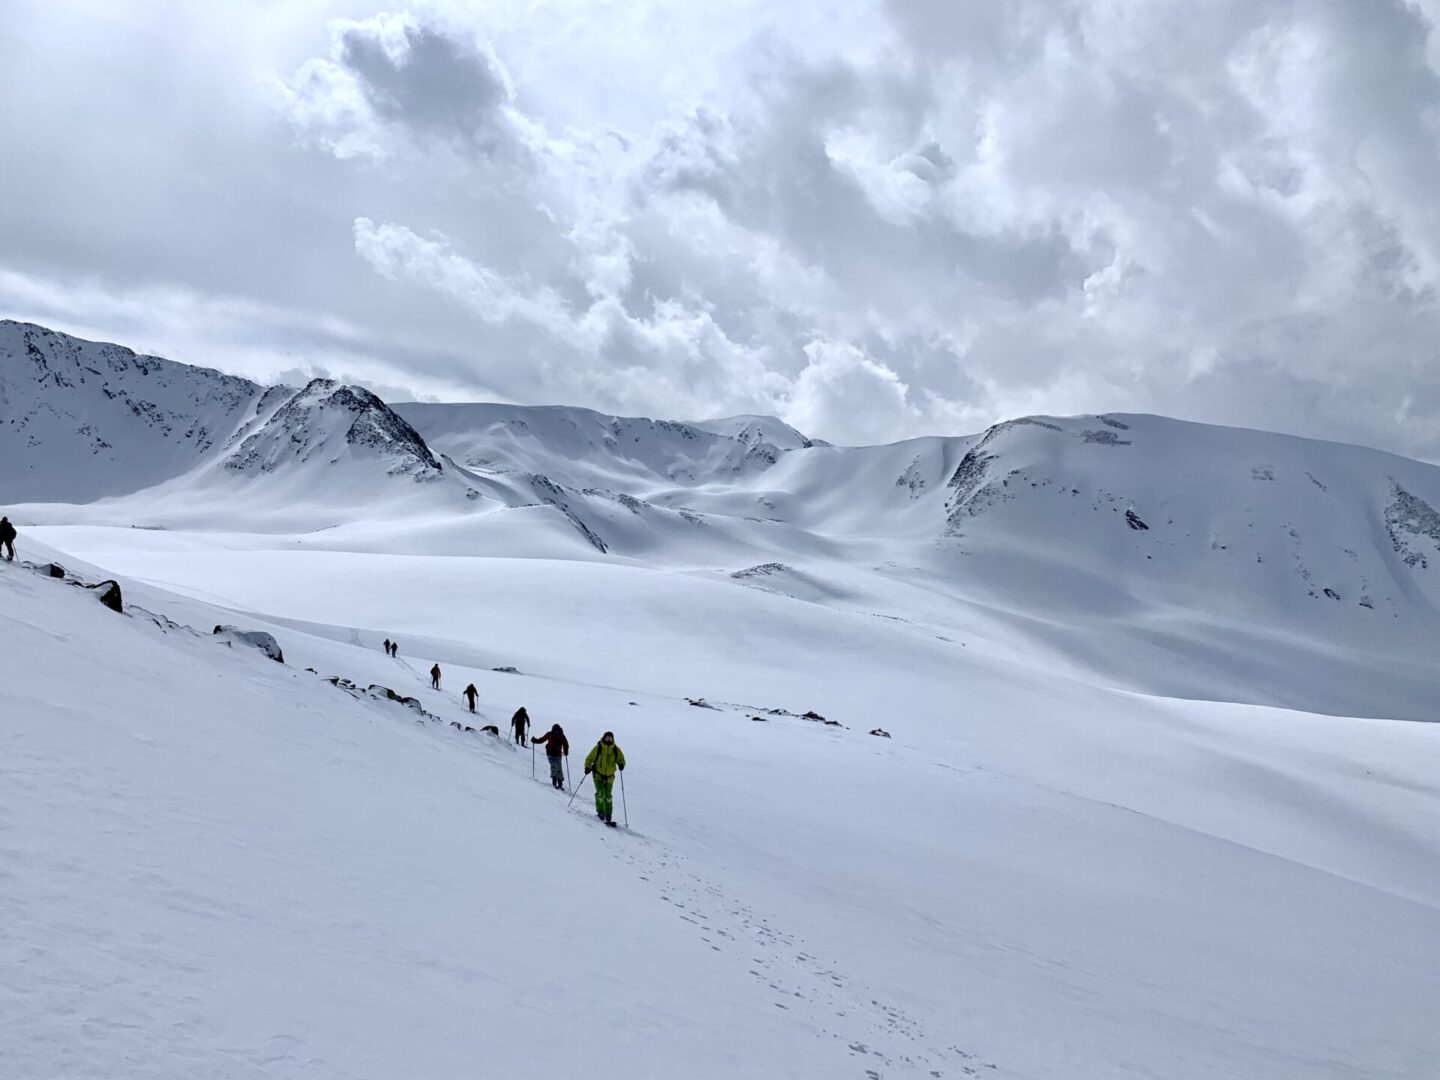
(520, 721)
(7, 538)
(557, 749)
(435, 677)
(386, 646)
(471, 694)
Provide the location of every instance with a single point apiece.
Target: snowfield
(1154, 803)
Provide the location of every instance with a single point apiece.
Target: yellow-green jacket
(604, 759)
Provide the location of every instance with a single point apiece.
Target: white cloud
(853, 398)
(888, 218)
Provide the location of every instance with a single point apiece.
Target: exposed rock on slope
(80, 420)
(324, 422)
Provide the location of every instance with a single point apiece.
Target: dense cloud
(908, 217)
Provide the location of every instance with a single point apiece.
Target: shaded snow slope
(80, 419)
(327, 422)
(235, 868)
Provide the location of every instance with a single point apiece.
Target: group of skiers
(602, 763)
(7, 538)
(392, 648)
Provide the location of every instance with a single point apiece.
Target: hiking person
(387, 646)
(520, 721)
(557, 749)
(470, 695)
(7, 538)
(395, 648)
(435, 677)
(604, 761)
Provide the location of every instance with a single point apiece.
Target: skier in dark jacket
(470, 695)
(435, 677)
(386, 646)
(604, 761)
(520, 721)
(7, 538)
(557, 749)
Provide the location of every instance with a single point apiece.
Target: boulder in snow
(881, 732)
(255, 639)
(108, 593)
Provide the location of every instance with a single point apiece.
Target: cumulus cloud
(390, 79)
(909, 216)
(846, 393)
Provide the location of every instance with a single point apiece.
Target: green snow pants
(604, 795)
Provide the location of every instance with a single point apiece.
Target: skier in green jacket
(604, 761)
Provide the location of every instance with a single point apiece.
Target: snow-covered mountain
(81, 420)
(328, 422)
(1080, 747)
(1279, 570)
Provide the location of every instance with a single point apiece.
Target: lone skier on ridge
(7, 538)
(604, 761)
(557, 748)
(520, 721)
(435, 677)
(470, 695)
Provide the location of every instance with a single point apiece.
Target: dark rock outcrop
(108, 593)
(254, 639)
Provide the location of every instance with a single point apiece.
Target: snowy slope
(80, 419)
(1147, 553)
(235, 868)
(212, 864)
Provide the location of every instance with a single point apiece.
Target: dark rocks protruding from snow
(699, 703)
(308, 424)
(54, 570)
(554, 495)
(811, 715)
(507, 670)
(1409, 518)
(881, 732)
(1104, 438)
(254, 639)
(760, 570)
(491, 729)
(1133, 520)
(759, 719)
(108, 593)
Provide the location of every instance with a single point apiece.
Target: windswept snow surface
(1160, 799)
(218, 865)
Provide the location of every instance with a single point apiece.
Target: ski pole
(567, 771)
(623, 808)
(575, 792)
(532, 759)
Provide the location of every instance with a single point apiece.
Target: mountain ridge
(1111, 540)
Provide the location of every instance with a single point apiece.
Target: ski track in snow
(889, 1043)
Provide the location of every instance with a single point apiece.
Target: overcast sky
(874, 220)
